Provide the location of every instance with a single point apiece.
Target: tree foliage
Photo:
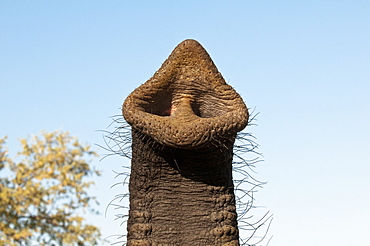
(45, 191)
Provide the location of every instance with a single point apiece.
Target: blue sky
(304, 65)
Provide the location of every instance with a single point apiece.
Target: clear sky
(304, 65)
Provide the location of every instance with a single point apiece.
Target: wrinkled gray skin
(184, 122)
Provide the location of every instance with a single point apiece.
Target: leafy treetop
(44, 193)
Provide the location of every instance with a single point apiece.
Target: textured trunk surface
(181, 197)
(184, 123)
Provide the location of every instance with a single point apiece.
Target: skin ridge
(184, 122)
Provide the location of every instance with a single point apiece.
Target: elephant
(184, 121)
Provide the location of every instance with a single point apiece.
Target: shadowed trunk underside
(184, 122)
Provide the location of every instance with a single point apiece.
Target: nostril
(209, 108)
(169, 111)
(166, 112)
(158, 103)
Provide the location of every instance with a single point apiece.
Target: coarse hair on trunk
(189, 182)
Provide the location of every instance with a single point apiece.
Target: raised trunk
(184, 122)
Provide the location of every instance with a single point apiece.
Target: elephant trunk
(184, 123)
